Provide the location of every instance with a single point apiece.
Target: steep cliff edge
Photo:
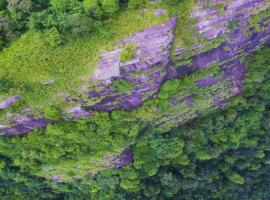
(162, 83)
(225, 36)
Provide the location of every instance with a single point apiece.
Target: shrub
(220, 8)
(5, 85)
(110, 6)
(53, 37)
(92, 7)
(60, 5)
(121, 86)
(232, 24)
(3, 4)
(51, 112)
(79, 24)
(134, 4)
(128, 53)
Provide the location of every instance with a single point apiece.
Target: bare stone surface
(145, 72)
(9, 101)
(122, 160)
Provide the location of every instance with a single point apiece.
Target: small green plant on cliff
(5, 85)
(52, 112)
(134, 4)
(220, 8)
(232, 24)
(121, 86)
(128, 53)
(254, 21)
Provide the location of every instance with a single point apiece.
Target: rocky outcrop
(145, 72)
(9, 102)
(22, 125)
(251, 30)
(201, 78)
(214, 66)
(121, 160)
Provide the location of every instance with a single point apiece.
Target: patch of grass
(254, 21)
(128, 53)
(220, 8)
(226, 48)
(121, 86)
(232, 25)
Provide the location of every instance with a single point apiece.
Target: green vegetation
(49, 50)
(37, 57)
(255, 20)
(185, 35)
(210, 158)
(228, 145)
(121, 86)
(232, 24)
(220, 8)
(128, 53)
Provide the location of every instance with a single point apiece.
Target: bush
(232, 25)
(92, 7)
(3, 4)
(110, 6)
(79, 24)
(134, 4)
(5, 85)
(128, 53)
(60, 5)
(52, 113)
(121, 86)
(53, 37)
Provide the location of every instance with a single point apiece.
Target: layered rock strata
(226, 36)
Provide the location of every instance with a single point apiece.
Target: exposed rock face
(145, 72)
(122, 160)
(9, 101)
(228, 35)
(236, 43)
(23, 125)
(212, 23)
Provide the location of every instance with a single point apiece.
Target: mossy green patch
(128, 53)
(121, 86)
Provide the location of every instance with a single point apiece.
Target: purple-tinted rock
(159, 12)
(25, 126)
(211, 23)
(152, 58)
(78, 113)
(9, 101)
(152, 65)
(56, 178)
(89, 174)
(122, 160)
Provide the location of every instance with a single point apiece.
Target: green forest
(50, 47)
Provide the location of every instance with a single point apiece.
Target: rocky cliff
(190, 80)
(227, 32)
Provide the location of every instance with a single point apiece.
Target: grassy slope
(30, 61)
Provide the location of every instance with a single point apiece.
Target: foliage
(39, 56)
(128, 53)
(232, 24)
(135, 4)
(121, 85)
(223, 155)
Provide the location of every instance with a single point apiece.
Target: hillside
(134, 99)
